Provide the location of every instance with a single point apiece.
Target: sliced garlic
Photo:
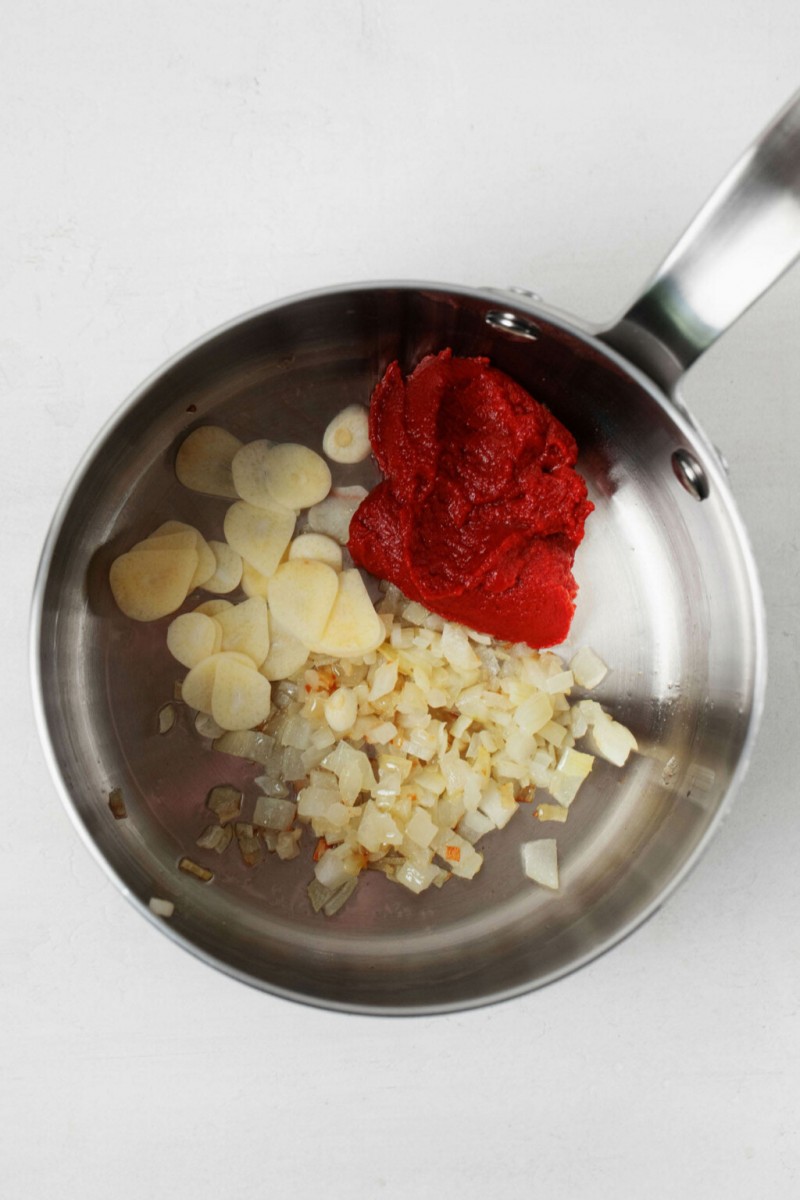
(294, 475)
(204, 461)
(210, 608)
(286, 653)
(149, 584)
(319, 547)
(240, 697)
(354, 628)
(245, 628)
(346, 440)
(249, 473)
(260, 535)
(253, 582)
(198, 686)
(191, 637)
(206, 563)
(228, 569)
(301, 596)
(333, 515)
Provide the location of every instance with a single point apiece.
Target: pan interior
(666, 599)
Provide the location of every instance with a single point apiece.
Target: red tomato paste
(480, 511)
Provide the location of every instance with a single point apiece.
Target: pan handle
(738, 245)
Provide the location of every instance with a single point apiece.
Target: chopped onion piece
(550, 812)
(274, 813)
(166, 718)
(614, 741)
(473, 826)
(117, 804)
(225, 801)
(247, 743)
(575, 763)
(292, 766)
(161, 908)
(461, 858)
(384, 681)
(192, 868)
(540, 862)
(287, 844)
(498, 803)
(534, 713)
(249, 845)
(336, 866)
(215, 837)
(272, 786)
(415, 877)
(588, 670)
(318, 894)
(562, 681)
(377, 829)
(207, 727)
(339, 897)
(554, 733)
(381, 735)
(457, 649)
(421, 829)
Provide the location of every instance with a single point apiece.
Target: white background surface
(168, 165)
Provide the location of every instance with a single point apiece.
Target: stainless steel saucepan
(668, 597)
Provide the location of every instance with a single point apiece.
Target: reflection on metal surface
(690, 474)
(513, 323)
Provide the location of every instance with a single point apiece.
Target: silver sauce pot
(668, 597)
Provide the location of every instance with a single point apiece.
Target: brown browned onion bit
(193, 868)
(225, 801)
(215, 837)
(117, 804)
(166, 718)
(249, 845)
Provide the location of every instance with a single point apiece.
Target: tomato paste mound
(480, 511)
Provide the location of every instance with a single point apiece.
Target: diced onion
(540, 862)
(166, 718)
(206, 726)
(271, 812)
(215, 837)
(402, 758)
(550, 812)
(117, 804)
(189, 867)
(614, 741)
(588, 670)
(226, 801)
(339, 897)
(249, 845)
(247, 743)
